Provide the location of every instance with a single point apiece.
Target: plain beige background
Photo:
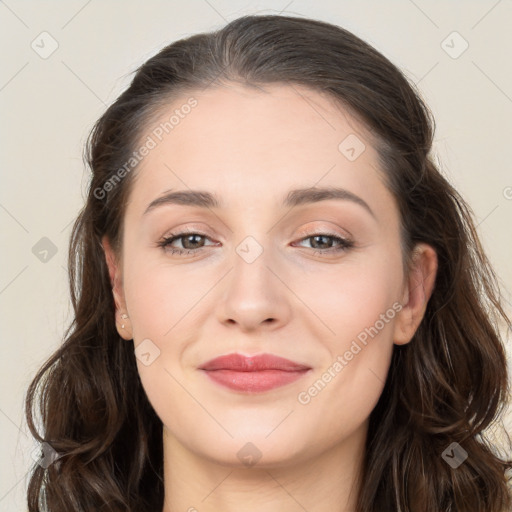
(49, 102)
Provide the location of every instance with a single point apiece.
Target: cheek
(345, 299)
(159, 295)
(359, 304)
(159, 298)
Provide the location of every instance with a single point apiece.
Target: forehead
(249, 145)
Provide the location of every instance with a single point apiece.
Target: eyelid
(327, 231)
(303, 232)
(187, 230)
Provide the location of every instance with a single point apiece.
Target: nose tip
(252, 297)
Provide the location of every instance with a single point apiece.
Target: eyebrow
(297, 197)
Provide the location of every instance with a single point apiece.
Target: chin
(250, 449)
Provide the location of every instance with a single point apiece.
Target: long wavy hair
(448, 385)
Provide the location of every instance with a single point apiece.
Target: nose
(253, 296)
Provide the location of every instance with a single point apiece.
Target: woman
(280, 303)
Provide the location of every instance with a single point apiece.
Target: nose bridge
(251, 277)
(253, 294)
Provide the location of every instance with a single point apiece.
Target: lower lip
(257, 382)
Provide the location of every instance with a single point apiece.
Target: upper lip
(241, 363)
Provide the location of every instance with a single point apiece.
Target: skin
(251, 147)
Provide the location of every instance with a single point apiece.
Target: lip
(257, 373)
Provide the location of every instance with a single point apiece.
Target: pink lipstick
(253, 374)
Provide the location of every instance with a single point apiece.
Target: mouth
(254, 374)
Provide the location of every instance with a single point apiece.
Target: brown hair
(446, 386)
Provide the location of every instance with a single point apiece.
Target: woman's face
(311, 278)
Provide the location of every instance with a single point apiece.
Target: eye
(328, 242)
(190, 241)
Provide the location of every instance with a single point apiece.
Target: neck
(326, 483)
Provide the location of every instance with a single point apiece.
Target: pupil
(321, 237)
(190, 238)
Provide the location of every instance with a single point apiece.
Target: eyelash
(343, 244)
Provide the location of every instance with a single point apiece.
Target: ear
(123, 324)
(418, 288)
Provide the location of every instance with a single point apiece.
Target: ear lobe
(418, 290)
(123, 323)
